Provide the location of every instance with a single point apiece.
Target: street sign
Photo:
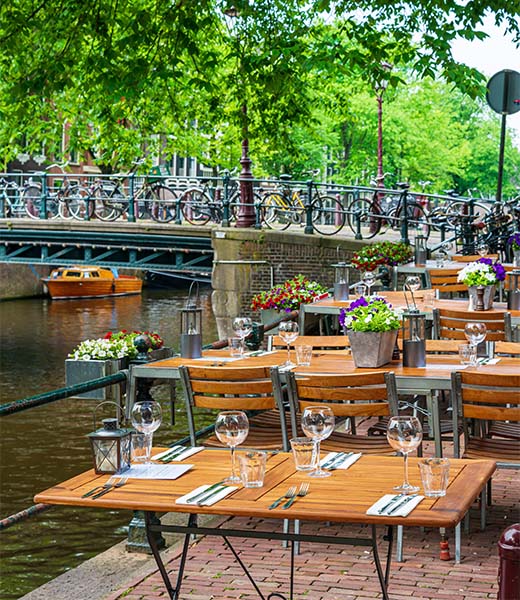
(503, 92)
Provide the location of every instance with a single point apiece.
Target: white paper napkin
(212, 500)
(403, 511)
(156, 471)
(488, 361)
(187, 453)
(344, 464)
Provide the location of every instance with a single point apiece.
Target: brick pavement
(326, 572)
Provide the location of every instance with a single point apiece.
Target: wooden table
(342, 498)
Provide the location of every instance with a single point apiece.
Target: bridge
(147, 246)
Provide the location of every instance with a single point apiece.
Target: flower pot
(80, 371)
(161, 353)
(481, 297)
(269, 315)
(371, 349)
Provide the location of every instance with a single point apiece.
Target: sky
(490, 56)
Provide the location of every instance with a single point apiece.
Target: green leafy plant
(289, 295)
(372, 314)
(371, 257)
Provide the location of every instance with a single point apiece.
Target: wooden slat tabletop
(345, 496)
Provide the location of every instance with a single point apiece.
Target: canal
(44, 445)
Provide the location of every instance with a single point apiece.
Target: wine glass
(242, 326)
(412, 283)
(288, 332)
(482, 249)
(475, 334)
(444, 251)
(146, 418)
(404, 434)
(317, 424)
(369, 279)
(231, 428)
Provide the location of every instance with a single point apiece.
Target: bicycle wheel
(161, 202)
(108, 203)
(460, 209)
(31, 197)
(277, 212)
(328, 216)
(195, 207)
(76, 204)
(361, 217)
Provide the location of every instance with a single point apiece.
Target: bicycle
(11, 203)
(57, 191)
(201, 205)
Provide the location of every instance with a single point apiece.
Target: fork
(291, 492)
(108, 484)
(107, 489)
(303, 491)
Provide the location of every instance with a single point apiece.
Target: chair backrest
(353, 395)
(449, 324)
(445, 280)
(230, 388)
(471, 257)
(320, 342)
(437, 346)
(507, 349)
(484, 396)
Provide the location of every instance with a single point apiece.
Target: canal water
(44, 445)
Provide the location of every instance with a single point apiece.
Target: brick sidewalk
(325, 572)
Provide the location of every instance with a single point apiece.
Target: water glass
(252, 468)
(435, 474)
(235, 346)
(304, 453)
(468, 354)
(140, 448)
(317, 424)
(428, 299)
(303, 354)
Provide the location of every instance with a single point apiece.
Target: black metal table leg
(382, 576)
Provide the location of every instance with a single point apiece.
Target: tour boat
(90, 282)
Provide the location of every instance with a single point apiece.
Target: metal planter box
(79, 371)
(372, 349)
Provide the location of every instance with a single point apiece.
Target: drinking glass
(288, 332)
(231, 428)
(318, 424)
(404, 434)
(475, 334)
(146, 418)
(412, 283)
(369, 279)
(242, 326)
(482, 249)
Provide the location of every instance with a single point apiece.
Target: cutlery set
(173, 453)
(116, 481)
(396, 504)
(336, 461)
(291, 496)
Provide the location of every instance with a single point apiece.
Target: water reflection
(47, 444)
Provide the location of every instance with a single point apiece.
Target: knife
(177, 451)
(388, 504)
(339, 463)
(401, 504)
(200, 495)
(332, 460)
(210, 495)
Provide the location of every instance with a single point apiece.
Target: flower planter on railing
(79, 371)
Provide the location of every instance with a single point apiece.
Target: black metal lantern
(341, 281)
(191, 326)
(420, 251)
(414, 338)
(111, 445)
(513, 290)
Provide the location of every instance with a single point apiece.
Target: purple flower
(500, 272)
(485, 261)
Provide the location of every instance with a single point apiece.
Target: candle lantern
(111, 445)
(513, 290)
(191, 326)
(421, 251)
(341, 281)
(414, 338)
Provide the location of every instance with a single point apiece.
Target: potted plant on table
(96, 358)
(514, 243)
(482, 277)
(382, 256)
(371, 325)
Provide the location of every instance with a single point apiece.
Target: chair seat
(258, 437)
(341, 442)
(505, 430)
(379, 428)
(500, 450)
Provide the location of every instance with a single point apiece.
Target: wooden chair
(236, 388)
(445, 280)
(318, 342)
(449, 324)
(480, 398)
(507, 349)
(349, 396)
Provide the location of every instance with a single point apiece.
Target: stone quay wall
(249, 261)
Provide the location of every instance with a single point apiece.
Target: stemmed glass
(404, 434)
(317, 424)
(242, 326)
(146, 418)
(288, 332)
(369, 279)
(412, 283)
(231, 428)
(482, 249)
(475, 334)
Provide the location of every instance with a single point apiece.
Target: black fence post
(131, 199)
(309, 229)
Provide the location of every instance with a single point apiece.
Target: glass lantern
(341, 281)
(191, 327)
(111, 447)
(513, 290)
(420, 251)
(414, 338)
